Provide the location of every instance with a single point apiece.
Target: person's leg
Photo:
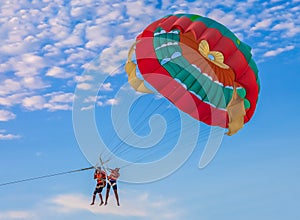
(116, 195)
(94, 197)
(107, 193)
(101, 199)
(100, 196)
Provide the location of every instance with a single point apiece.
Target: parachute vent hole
(211, 57)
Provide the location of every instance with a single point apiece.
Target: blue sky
(45, 48)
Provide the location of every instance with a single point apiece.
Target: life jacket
(101, 177)
(114, 175)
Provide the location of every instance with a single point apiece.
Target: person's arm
(95, 174)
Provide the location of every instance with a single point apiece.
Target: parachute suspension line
(115, 135)
(138, 85)
(236, 107)
(138, 128)
(173, 133)
(117, 147)
(115, 142)
(151, 152)
(124, 151)
(204, 133)
(45, 176)
(135, 82)
(103, 162)
(103, 167)
(106, 169)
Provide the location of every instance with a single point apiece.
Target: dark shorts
(113, 183)
(98, 189)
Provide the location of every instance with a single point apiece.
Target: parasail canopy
(200, 66)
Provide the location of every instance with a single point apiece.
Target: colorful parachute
(200, 66)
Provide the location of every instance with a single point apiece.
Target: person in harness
(100, 177)
(112, 182)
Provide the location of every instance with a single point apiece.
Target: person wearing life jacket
(100, 177)
(112, 182)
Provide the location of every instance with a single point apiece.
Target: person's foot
(105, 203)
(118, 204)
(101, 204)
(92, 203)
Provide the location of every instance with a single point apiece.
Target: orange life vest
(114, 175)
(101, 177)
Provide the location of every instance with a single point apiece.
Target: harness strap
(112, 184)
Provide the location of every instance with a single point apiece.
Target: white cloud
(6, 115)
(278, 51)
(92, 99)
(59, 39)
(60, 25)
(34, 102)
(59, 101)
(90, 66)
(87, 108)
(14, 99)
(33, 83)
(5, 101)
(61, 97)
(16, 215)
(13, 48)
(139, 8)
(135, 204)
(8, 137)
(222, 17)
(99, 101)
(9, 86)
(71, 40)
(78, 55)
(96, 36)
(296, 8)
(69, 203)
(232, 21)
(28, 65)
(112, 101)
(52, 101)
(262, 24)
(109, 62)
(84, 86)
(276, 8)
(101, 104)
(51, 51)
(106, 87)
(58, 72)
(107, 102)
(83, 78)
(264, 44)
(57, 106)
(290, 27)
